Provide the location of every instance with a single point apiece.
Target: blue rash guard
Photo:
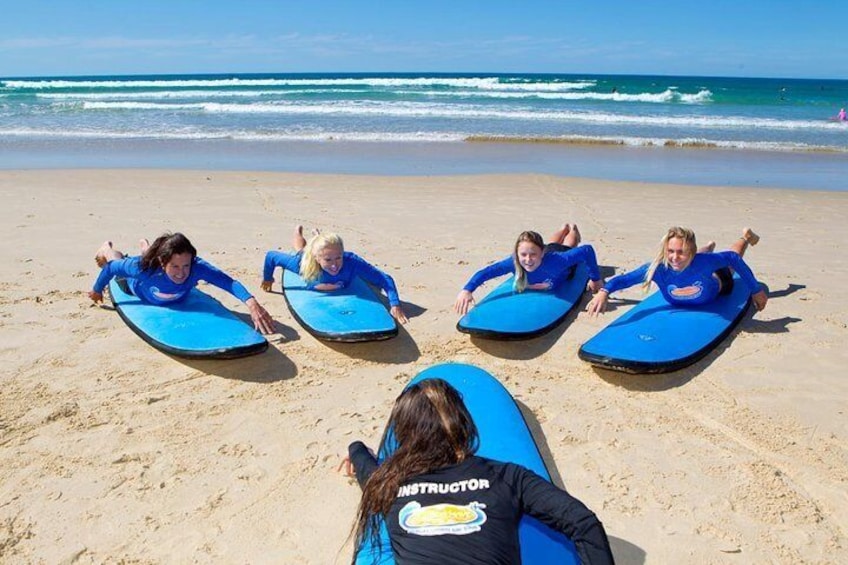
(693, 285)
(553, 269)
(352, 266)
(154, 287)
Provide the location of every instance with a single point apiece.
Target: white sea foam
(484, 83)
(663, 97)
(660, 97)
(175, 94)
(421, 137)
(375, 137)
(465, 112)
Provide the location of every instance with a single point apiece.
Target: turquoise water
(49, 115)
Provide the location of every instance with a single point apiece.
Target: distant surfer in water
(165, 273)
(325, 266)
(687, 275)
(841, 116)
(536, 265)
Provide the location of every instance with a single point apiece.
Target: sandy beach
(112, 452)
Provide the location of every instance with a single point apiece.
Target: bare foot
(750, 237)
(559, 235)
(708, 248)
(573, 238)
(143, 244)
(298, 241)
(106, 253)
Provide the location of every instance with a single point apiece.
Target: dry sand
(111, 452)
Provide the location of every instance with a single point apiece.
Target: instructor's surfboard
(504, 436)
(506, 314)
(351, 314)
(197, 327)
(657, 337)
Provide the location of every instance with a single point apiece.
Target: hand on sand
(464, 302)
(398, 314)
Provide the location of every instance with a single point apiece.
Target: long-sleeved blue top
(154, 286)
(553, 269)
(693, 285)
(352, 266)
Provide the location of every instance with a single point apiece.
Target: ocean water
(247, 120)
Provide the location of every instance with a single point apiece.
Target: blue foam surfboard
(656, 337)
(351, 314)
(506, 314)
(504, 436)
(198, 327)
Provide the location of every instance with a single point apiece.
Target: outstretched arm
(558, 509)
(360, 462)
(274, 259)
(375, 276)
(118, 268)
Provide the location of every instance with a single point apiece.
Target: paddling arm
(563, 512)
(363, 461)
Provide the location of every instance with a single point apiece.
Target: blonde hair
(520, 274)
(310, 269)
(688, 237)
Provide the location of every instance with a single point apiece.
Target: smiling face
(677, 254)
(178, 267)
(330, 258)
(529, 255)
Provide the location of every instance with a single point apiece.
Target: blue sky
(794, 38)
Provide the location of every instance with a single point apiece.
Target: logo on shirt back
(442, 519)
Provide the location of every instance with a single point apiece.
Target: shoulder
(202, 263)
(496, 467)
(351, 256)
(719, 258)
(129, 265)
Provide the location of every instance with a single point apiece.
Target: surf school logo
(442, 519)
(690, 292)
(165, 296)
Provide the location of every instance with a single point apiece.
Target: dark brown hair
(163, 248)
(431, 428)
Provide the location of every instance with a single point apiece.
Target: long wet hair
(431, 428)
(520, 274)
(688, 237)
(163, 248)
(310, 269)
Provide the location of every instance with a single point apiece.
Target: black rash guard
(469, 513)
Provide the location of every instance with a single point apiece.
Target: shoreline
(684, 166)
(113, 451)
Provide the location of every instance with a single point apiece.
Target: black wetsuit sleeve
(363, 462)
(561, 511)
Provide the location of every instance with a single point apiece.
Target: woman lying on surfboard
(687, 275)
(325, 266)
(537, 266)
(444, 504)
(166, 271)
